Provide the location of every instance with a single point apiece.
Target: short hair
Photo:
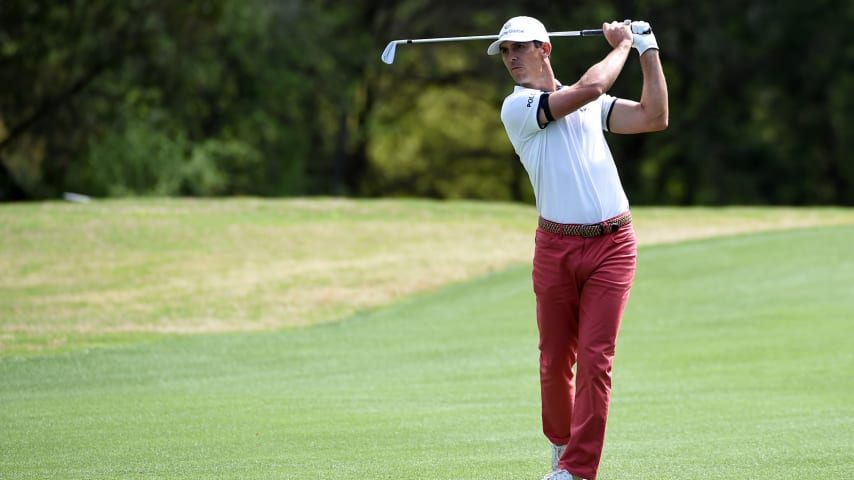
(538, 44)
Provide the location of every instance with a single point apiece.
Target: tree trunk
(10, 191)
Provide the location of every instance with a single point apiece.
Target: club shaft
(572, 33)
(391, 48)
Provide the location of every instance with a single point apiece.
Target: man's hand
(616, 33)
(643, 38)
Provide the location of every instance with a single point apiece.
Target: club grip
(590, 33)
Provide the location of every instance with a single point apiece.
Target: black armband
(544, 106)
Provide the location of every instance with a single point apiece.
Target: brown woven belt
(587, 230)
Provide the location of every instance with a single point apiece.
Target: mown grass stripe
(734, 362)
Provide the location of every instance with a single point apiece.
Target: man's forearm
(597, 80)
(654, 93)
(603, 74)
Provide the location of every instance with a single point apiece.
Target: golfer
(586, 250)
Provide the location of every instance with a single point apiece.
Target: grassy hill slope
(81, 275)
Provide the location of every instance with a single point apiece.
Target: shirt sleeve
(519, 113)
(607, 103)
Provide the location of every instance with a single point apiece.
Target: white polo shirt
(568, 162)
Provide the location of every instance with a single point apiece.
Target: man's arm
(651, 113)
(598, 79)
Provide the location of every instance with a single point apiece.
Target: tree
(266, 97)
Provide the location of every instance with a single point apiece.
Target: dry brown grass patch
(174, 266)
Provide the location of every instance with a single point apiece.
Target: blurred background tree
(289, 97)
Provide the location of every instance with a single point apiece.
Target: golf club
(391, 48)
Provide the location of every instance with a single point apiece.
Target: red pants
(582, 287)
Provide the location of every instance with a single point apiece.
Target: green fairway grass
(735, 361)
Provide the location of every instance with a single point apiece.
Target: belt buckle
(614, 226)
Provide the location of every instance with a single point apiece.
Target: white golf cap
(519, 29)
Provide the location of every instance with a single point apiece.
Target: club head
(388, 53)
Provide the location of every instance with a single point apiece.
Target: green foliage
(221, 167)
(139, 160)
(446, 146)
(191, 75)
(760, 98)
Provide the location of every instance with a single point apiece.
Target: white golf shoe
(561, 475)
(557, 472)
(557, 452)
